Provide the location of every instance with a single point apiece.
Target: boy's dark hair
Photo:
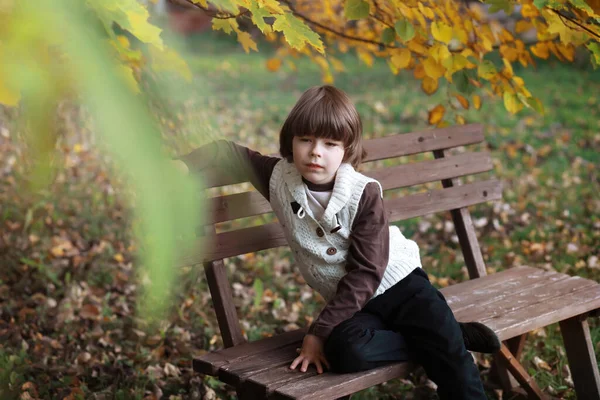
(324, 112)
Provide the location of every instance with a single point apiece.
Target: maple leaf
(296, 33)
(258, 15)
(247, 42)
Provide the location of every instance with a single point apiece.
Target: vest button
(320, 232)
(331, 251)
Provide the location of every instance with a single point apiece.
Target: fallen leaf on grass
(541, 364)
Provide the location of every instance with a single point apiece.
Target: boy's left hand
(311, 353)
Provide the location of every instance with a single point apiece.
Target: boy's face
(317, 159)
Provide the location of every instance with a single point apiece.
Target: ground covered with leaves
(69, 276)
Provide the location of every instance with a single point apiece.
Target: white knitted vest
(322, 260)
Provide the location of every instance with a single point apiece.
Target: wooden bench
(512, 302)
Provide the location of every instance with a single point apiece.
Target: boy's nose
(316, 149)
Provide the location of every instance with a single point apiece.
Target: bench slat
(210, 363)
(397, 145)
(332, 386)
(546, 312)
(236, 372)
(502, 290)
(271, 235)
(247, 204)
(523, 299)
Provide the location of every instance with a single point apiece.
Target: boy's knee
(346, 356)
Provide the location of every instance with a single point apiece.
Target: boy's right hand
(311, 353)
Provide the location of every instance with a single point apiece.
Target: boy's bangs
(323, 121)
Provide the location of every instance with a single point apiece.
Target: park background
(68, 327)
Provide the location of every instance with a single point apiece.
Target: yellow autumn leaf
(460, 120)
(246, 41)
(426, 11)
(476, 101)
(144, 30)
(436, 114)
(429, 85)
(512, 103)
(567, 51)
(508, 70)
(463, 101)
(273, 64)
(523, 26)
(461, 34)
(401, 59)
(440, 53)
(529, 11)
(365, 57)
(433, 69)
(419, 71)
(441, 31)
(540, 50)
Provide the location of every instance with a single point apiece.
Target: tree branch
(341, 34)
(577, 23)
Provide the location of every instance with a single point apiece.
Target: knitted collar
(340, 195)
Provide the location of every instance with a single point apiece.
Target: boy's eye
(331, 144)
(304, 139)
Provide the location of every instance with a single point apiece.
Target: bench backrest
(452, 197)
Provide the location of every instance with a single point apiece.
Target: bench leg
(508, 361)
(500, 374)
(582, 360)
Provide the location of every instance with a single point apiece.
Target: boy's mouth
(314, 166)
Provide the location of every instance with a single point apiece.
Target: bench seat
(512, 302)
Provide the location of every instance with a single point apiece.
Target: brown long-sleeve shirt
(369, 240)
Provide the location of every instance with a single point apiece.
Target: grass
(548, 164)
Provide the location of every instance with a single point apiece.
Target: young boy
(381, 306)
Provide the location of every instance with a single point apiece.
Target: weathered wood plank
(526, 381)
(462, 304)
(423, 141)
(236, 372)
(271, 235)
(264, 383)
(537, 315)
(247, 204)
(464, 229)
(332, 386)
(210, 363)
(526, 302)
(397, 145)
(582, 357)
(220, 292)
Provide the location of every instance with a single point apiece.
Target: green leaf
(356, 9)
(531, 102)
(405, 30)
(595, 49)
(497, 5)
(131, 15)
(258, 291)
(486, 70)
(540, 3)
(296, 33)
(462, 81)
(388, 35)
(258, 15)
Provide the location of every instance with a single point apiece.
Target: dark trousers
(411, 320)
